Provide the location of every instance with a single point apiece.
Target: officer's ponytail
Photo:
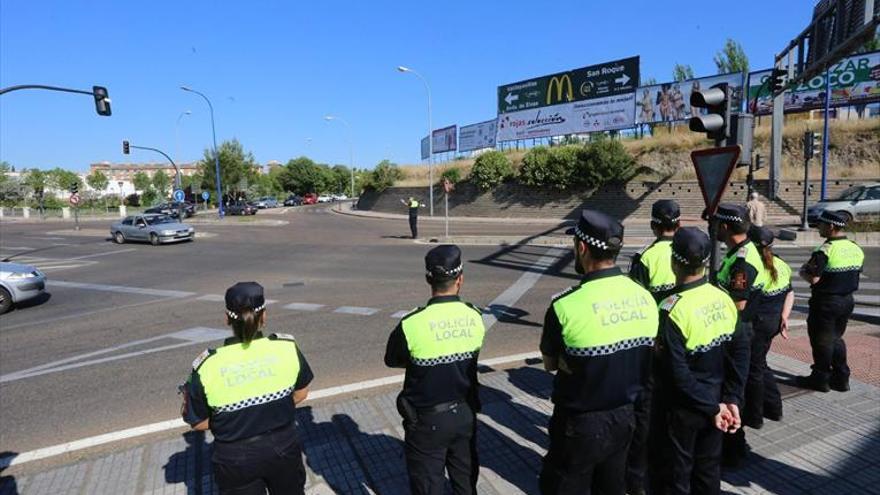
(767, 259)
(246, 325)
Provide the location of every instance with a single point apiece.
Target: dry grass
(854, 152)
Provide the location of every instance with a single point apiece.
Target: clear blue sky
(274, 69)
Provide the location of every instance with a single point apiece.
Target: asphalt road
(122, 324)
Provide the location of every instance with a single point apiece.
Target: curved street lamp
(430, 138)
(216, 155)
(177, 141)
(328, 118)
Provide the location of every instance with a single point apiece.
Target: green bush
(549, 167)
(490, 169)
(384, 176)
(452, 174)
(602, 162)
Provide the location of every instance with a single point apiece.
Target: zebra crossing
(49, 265)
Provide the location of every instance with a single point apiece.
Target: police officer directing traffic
(245, 393)
(833, 274)
(598, 337)
(439, 345)
(697, 388)
(413, 205)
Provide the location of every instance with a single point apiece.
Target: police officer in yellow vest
(245, 393)
(833, 274)
(698, 388)
(743, 276)
(652, 269)
(771, 318)
(598, 337)
(439, 345)
(413, 205)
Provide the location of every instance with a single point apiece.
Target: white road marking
(356, 310)
(211, 298)
(118, 251)
(121, 289)
(304, 306)
(16, 248)
(401, 314)
(525, 282)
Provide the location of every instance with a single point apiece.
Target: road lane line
(525, 282)
(122, 289)
(304, 306)
(356, 310)
(401, 314)
(118, 251)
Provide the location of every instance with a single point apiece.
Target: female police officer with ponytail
(245, 392)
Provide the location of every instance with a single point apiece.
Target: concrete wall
(621, 200)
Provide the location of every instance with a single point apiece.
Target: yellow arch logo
(562, 84)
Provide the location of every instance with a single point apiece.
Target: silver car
(19, 283)
(857, 202)
(153, 228)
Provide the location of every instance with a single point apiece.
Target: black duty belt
(440, 408)
(261, 436)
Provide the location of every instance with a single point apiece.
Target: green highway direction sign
(595, 81)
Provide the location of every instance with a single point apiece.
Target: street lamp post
(430, 139)
(177, 142)
(328, 118)
(216, 154)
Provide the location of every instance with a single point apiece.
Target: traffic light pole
(76, 218)
(808, 145)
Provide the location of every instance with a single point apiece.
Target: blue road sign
(206, 195)
(179, 196)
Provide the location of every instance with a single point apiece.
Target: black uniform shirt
(830, 283)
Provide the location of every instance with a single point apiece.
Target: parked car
(171, 209)
(338, 197)
(156, 229)
(324, 198)
(241, 208)
(266, 202)
(19, 283)
(855, 202)
(293, 200)
(310, 199)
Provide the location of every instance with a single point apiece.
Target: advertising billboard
(671, 101)
(855, 80)
(426, 148)
(477, 136)
(443, 140)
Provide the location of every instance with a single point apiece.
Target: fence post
(26, 212)
(65, 212)
(122, 211)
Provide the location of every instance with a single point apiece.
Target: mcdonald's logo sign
(562, 84)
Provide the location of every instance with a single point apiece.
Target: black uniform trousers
(445, 440)
(685, 452)
(734, 446)
(762, 398)
(826, 324)
(414, 224)
(272, 461)
(587, 451)
(637, 457)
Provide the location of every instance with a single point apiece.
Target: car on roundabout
(19, 282)
(293, 200)
(172, 209)
(325, 198)
(153, 228)
(858, 202)
(241, 208)
(266, 202)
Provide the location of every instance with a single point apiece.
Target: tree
(731, 58)
(341, 176)
(97, 181)
(302, 175)
(384, 175)
(59, 178)
(4, 168)
(682, 72)
(235, 164)
(161, 183)
(141, 181)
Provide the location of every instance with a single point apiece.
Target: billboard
(426, 148)
(599, 114)
(477, 136)
(443, 139)
(671, 101)
(855, 80)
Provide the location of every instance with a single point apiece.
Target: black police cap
(443, 262)
(762, 236)
(244, 296)
(691, 246)
(665, 212)
(598, 229)
(731, 213)
(833, 218)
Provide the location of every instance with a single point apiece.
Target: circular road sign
(74, 199)
(179, 196)
(206, 195)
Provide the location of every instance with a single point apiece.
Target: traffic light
(74, 188)
(812, 144)
(817, 144)
(716, 122)
(125, 149)
(102, 100)
(776, 82)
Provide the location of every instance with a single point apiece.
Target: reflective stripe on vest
(706, 316)
(750, 252)
(843, 255)
(783, 279)
(443, 333)
(235, 377)
(413, 204)
(606, 315)
(658, 260)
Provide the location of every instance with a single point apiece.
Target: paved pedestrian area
(826, 444)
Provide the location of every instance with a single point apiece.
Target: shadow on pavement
(8, 486)
(507, 314)
(522, 257)
(36, 301)
(191, 466)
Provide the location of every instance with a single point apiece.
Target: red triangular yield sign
(713, 167)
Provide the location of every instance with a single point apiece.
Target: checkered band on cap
(728, 218)
(711, 345)
(827, 219)
(661, 288)
(449, 359)
(670, 220)
(589, 239)
(233, 315)
(685, 261)
(439, 270)
(604, 350)
(844, 269)
(254, 401)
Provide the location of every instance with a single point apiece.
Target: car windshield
(159, 220)
(849, 194)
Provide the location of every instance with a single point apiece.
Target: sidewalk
(826, 444)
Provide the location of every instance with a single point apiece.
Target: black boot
(813, 382)
(839, 384)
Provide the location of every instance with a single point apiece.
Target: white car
(339, 197)
(856, 203)
(19, 283)
(324, 198)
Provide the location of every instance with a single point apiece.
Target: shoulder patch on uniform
(563, 293)
(197, 362)
(282, 336)
(742, 252)
(668, 303)
(412, 312)
(825, 247)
